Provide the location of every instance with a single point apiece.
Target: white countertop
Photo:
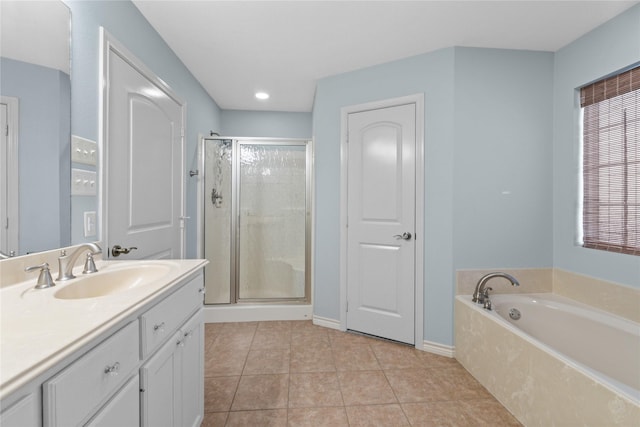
(38, 330)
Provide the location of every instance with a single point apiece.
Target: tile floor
(298, 374)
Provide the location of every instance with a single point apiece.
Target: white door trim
(108, 43)
(12, 170)
(418, 100)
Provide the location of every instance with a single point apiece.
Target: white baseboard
(256, 312)
(439, 349)
(326, 322)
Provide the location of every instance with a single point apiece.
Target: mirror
(35, 157)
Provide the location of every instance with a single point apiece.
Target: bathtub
(560, 363)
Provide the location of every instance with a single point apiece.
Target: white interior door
(9, 199)
(144, 150)
(381, 222)
(4, 163)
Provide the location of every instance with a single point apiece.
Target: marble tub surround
(39, 331)
(532, 280)
(538, 387)
(12, 269)
(621, 300)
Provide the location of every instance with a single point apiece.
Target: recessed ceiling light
(262, 95)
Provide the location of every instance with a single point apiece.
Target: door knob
(404, 236)
(116, 250)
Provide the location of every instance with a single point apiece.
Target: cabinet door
(123, 410)
(159, 386)
(191, 354)
(24, 413)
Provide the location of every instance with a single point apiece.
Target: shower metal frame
(236, 143)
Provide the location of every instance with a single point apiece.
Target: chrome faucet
(66, 262)
(5, 256)
(481, 294)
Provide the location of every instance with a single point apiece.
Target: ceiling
(235, 48)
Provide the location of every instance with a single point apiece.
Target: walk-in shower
(257, 220)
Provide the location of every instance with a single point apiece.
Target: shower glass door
(273, 229)
(218, 235)
(257, 222)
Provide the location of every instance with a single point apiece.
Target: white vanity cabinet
(172, 380)
(24, 412)
(149, 371)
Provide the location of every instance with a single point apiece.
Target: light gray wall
(485, 133)
(609, 48)
(266, 124)
(433, 75)
(503, 159)
(44, 133)
(125, 23)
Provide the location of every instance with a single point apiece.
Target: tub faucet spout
(481, 294)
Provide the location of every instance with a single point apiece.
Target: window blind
(611, 163)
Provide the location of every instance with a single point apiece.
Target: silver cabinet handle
(158, 327)
(113, 369)
(404, 236)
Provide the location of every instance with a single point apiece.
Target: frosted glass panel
(217, 224)
(272, 217)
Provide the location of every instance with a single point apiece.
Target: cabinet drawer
(161, 321)
(75, 393)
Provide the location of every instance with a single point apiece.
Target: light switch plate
(84, 151)
(90, 224)
(83, 183)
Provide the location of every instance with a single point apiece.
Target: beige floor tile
(219, 392)
(318, 417)
(365, 388)
(309, 337)
(263, 418)
(458, 383)
(349, 338)
(377, 415)
(276, 325)
(358, 357)
(416, 385)
(436, 414)
(488, 412)
(312, 359)
(239, 327)
(267, 362)
(224, 362)
(314, 389)
(214, 419)
(271, 339)
(302, 326)
(211, 331)
(274, 373)
(232, 341)
(395, 356)
(261, 392)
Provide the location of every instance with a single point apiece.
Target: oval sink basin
(113, 281)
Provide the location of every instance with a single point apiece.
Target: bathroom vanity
(123, 346)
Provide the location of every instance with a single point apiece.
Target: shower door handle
(404, 236)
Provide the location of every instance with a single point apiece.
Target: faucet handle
(89, 265)
(44, 278)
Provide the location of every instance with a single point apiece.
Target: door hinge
(6, 130)
(347, 306)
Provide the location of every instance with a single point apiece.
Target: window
(611, 163)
